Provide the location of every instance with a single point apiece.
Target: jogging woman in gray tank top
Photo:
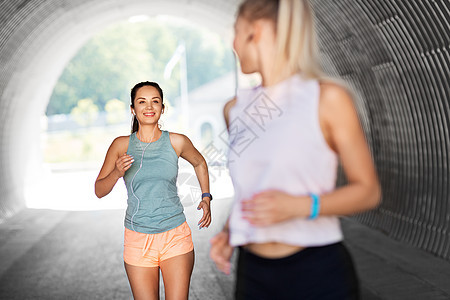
(157, 236)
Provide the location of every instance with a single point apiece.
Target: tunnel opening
(80, 121)
(49, 47)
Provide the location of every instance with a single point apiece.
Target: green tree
(109, 64)
(85, 113)
(116, 111)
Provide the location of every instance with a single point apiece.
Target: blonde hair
(296, 46)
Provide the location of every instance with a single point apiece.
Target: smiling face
(148, 105)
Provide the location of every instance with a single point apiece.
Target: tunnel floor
(47, 254)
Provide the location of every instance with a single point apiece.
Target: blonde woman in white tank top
(286, 137)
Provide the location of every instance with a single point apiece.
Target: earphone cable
(140, 166)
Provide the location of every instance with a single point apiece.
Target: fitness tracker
(207, 195)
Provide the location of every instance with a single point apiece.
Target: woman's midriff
(273, 250)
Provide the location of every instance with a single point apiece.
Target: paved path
(395, 271)
(47, 254)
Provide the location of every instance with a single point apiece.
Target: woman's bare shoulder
(335, 96)
(226, 110)
(330, 89)
(179, 141)
(230, 103)
(120, 144)
(175, 136)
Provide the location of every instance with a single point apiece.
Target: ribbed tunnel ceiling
(394, 54)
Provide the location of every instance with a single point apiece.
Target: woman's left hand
(205, 221)
(270, 207)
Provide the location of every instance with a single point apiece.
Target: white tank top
(276, 143)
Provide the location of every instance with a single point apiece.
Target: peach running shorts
(149, 250)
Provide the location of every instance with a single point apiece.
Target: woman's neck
(149, 133)
(270, 80)
(273, 71)
(272, 68)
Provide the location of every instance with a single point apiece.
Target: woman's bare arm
(116, 163)
(185, 149)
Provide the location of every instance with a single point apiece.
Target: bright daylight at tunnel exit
(89, 107)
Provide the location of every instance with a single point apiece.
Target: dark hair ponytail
(135, 125)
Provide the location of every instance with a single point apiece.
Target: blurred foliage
(116, 110)
(85, 113)
(109, 64)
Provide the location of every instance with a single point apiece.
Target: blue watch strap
(207, 195)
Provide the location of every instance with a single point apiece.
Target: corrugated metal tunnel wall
(393, 53)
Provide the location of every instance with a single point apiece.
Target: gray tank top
(153, 202)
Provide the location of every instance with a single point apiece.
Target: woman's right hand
(123, 163)
(221, 251)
